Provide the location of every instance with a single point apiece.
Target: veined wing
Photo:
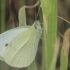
(21, 51)
(6, 37)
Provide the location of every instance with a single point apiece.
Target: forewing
(6, 37)
(21, 51)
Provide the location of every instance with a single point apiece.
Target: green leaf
(63, 61)
(65, 50)
(49, 8)
(3, 6)
(33, 66)
(22, 16)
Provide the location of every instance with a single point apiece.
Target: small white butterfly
(18, 46)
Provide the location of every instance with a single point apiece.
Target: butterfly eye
(6, 44)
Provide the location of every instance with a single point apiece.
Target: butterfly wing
(21, 51)
(29, 51)
(6, 37)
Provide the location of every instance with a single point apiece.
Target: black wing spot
(6, 44)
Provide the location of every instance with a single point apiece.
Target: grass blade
(33, 66)
(3, 5)
(22, 16)
(49, 8)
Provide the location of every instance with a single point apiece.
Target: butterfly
(18, 46)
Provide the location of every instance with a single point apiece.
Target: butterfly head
(37, 25)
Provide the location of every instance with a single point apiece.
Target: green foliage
(49, 8)
(22, 16)
(33, 66)
(3, 7)
(63, 61)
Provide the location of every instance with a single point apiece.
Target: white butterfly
(18, 46)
